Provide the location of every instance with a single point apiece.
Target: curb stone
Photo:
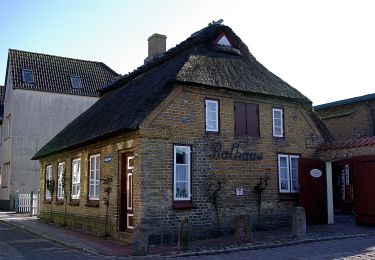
(194, 252)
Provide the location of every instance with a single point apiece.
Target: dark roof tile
(52, 73)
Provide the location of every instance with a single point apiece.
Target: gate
(27, 203)
(312, 190)
(364, 189)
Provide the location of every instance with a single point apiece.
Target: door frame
(122, 211)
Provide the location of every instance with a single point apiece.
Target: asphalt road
(354, 248)
(17, 244)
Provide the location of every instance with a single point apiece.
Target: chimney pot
(156, 45)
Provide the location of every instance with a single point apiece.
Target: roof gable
(198, 60)
(52, 73)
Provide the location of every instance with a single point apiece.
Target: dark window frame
(24, 71)
(72, 78)
(245, 119)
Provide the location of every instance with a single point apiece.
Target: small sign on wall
(107, 159)
(239, 191)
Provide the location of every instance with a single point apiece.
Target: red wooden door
(364, 189)
(126, 201)
(312, 190)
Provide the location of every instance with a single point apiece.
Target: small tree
(50, 184)
(64, 188)
(107, 181)
(213, 190)
(258, 190)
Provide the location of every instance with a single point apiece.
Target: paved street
(17, 244)
(355, 248)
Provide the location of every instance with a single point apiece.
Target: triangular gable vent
(223, 40)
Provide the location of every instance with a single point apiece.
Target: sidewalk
(344, 228)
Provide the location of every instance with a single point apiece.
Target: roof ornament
(217, 22)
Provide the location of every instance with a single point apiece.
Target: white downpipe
(330, 214)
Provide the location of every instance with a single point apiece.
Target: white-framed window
(212, 115)
(288, 173)
(60, 180)
(277, 122)
(8, 123)
(76, 178)
(5, 177)
(48, 178)
(182, 179)
(94, 182)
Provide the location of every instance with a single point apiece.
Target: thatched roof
(196, 61)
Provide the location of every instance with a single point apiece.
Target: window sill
(59, 202)
(47, 201)
(4, 187)
(92, 203)
(74, 202)
(183, 205)
(288, 196)
(212, 132)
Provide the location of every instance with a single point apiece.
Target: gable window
(181, 187)
(223, 41)
(76, 178)
(288, 173)
(277, 122)
(48, 178)
(76, 82)
(27, 76)
(246, 119)
(60, 180)
(212, 115)
(94, 182)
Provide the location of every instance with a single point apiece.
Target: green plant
(107, 181)
(213, 194)
(50, 185)
(258, 190)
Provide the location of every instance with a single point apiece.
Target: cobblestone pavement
(17, 244)
(353, 248)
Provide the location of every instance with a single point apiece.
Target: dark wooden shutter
(240, 118)
(252, 120)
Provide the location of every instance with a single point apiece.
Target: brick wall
(349, 121)
(180, 120)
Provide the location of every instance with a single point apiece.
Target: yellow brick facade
(180, 119)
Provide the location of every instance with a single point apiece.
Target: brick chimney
(157, 44)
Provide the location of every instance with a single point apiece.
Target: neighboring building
(202, 115)
(43, 94)
(349, 118)
(352, 123)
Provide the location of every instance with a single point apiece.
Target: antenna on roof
(217, 22)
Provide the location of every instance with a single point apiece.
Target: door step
(124, 237)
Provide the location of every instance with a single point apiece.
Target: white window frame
(289, 158)
(48, 177)
(188, 198)
(76, 185)
(281, 122)
(216, 102)
(8, 123)
(93, 182)
(60, 175)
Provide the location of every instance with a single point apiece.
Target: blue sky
(323, 48)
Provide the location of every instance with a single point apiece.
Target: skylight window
(76, 82)
(223, 41)
(27, 76)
